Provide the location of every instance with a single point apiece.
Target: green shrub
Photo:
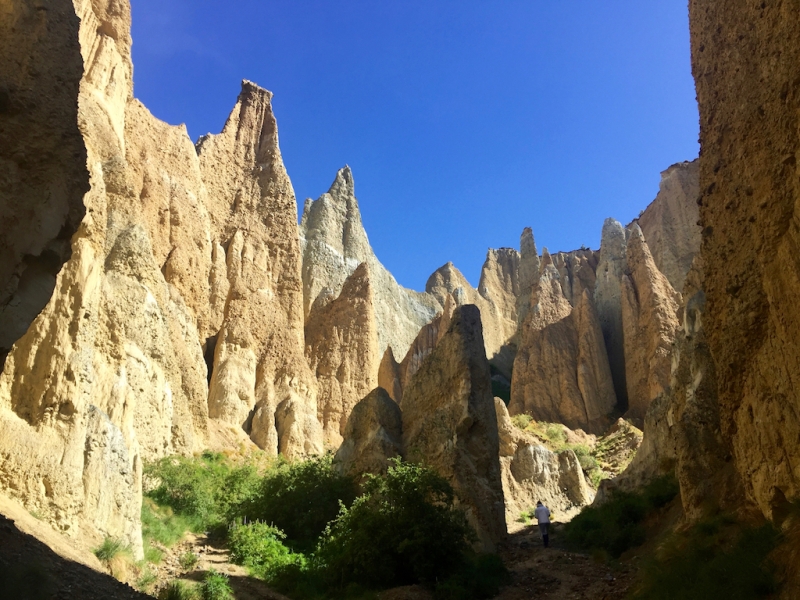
(616, 525)
(178, 590)
(145, 580)
(216, 587)
(161, 524)
(203, 489)
(521, 421)
(259, 547)
(110, 549)
(188, 560)
(715, 559)
(152, 554)
(300, 499)
(402, 530)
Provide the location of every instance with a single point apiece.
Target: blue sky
(463, 121)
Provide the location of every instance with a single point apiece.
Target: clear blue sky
(463, 121)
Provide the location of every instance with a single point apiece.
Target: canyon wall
(744, 60)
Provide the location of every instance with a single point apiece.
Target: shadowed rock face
(561, 372)
(342, 350)
(396, 376)
(43, 174)
(744, 60)
(449, 423)
(373, 435)
(608, 300)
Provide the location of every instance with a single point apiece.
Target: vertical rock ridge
(342, 350)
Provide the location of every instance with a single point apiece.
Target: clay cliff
(670, 222)
(533, 473)
(744, 60)
(449, 423)
(561, 371)
(334, 243)
(342, 351)
(649, 324)
(43, 174)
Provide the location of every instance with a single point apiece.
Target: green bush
(300, 499)
(110, 549)
(259, 547)
(216, 587)
(402, 530)
(178, 590)
(616, 526)
(188, 560)
(202, 489)
(715, 559)
(521, 421)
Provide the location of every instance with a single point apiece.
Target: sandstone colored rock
(561, 372)
(449, 423)
(682, 426)
(532, 473)
(577, 272)
(43, 174)
(260, 378)
(342, 350)
(373, 435)
(744, 59)
(608, 300)
(669, 223)
(650, 323)
(334, 243)
(396, 377)
(528, 273)
(498, 326)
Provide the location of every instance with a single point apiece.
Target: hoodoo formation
(158, 298)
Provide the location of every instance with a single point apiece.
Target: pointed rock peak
(358, 284)
(253, 90)
(527, 245)
(546, 259)
(343, 185)
(612, 240)
(306, 210)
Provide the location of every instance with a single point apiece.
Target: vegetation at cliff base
(716, 558)
(616, 525)
(311, 533)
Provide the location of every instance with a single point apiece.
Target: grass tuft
(216, 587)
(179, 590)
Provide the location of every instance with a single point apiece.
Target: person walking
(542, 514)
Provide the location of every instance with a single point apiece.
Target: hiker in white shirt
(542, 514)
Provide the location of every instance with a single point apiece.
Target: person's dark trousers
(545, 536)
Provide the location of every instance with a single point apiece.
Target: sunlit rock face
(744, 60)
(342, 350)
(334, 243)
(177, 254)
(449, 423)
(561, 372)
(532, 473)
(650, 324)
(669, 223)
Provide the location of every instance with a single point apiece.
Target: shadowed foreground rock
(449, 423)
(373, 435)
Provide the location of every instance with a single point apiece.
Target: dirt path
(556, 574)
